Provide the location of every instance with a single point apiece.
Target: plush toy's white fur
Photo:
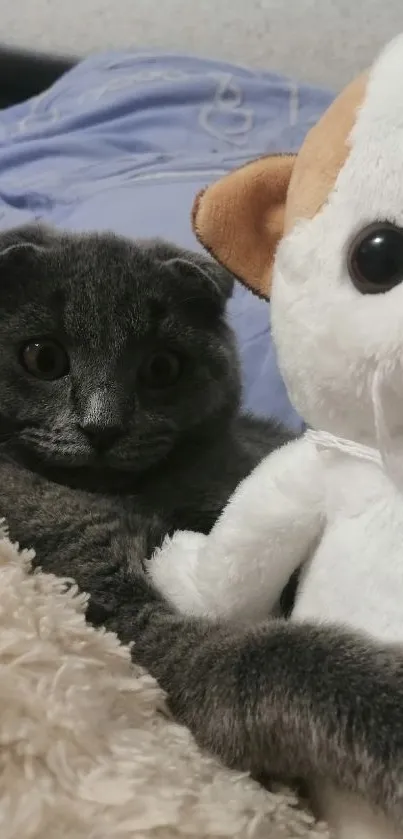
(86, 751)
(337, 499)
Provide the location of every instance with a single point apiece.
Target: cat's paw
(135, 609)
(174, 571)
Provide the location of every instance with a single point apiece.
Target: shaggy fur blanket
(86, 748)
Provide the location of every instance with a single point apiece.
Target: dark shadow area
(24, 74)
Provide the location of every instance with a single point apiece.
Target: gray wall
(326, 41)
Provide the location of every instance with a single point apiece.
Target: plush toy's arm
(263, 535)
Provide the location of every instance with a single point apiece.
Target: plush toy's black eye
(375, 258)
(44, 359)
(161, 370)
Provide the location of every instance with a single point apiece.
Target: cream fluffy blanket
(86, 750)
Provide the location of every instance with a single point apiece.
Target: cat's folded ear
(204, 278)
(22, 240)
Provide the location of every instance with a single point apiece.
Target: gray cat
(119, 410)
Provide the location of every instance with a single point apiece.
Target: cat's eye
(45, 359)
(161, 370)
(375, 258)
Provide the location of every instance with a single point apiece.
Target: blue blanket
(124, 141)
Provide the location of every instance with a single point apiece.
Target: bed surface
(124, 141)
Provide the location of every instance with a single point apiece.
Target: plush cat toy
(322, 235)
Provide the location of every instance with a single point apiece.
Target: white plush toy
(331, 502)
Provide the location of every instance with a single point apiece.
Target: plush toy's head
(322, 235)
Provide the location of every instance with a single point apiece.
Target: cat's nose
(101, 435)
(100, 419)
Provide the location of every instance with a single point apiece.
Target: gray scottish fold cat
(119, 402)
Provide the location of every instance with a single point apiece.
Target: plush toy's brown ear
(240, 219)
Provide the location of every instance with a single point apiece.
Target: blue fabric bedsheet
(124, 141)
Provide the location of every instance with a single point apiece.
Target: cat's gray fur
(96, 467)
(296, 701)
(279, 699)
